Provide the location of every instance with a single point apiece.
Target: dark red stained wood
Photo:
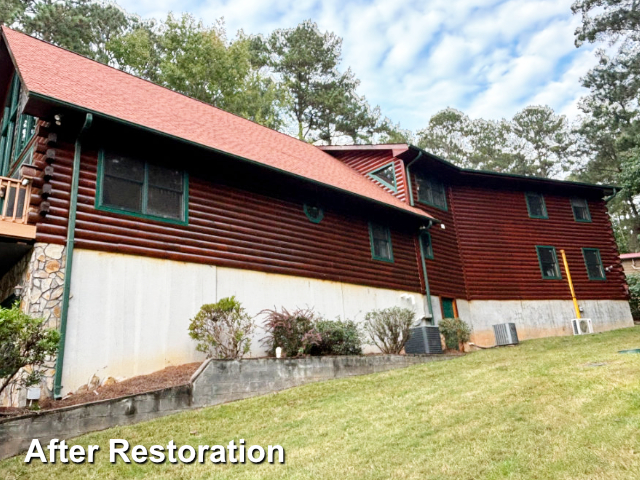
(365, 162)
(445, 271)
(497, 242)
(237, 228)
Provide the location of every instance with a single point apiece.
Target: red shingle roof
(65, 76)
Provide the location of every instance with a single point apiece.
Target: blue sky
(487, 58)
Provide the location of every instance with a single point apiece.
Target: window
(386, 176)
(15, 131)
(431, 192)
(130, 185)
(592, 260)
(580, 209)
(425, 245)
(536, 205)
(548, 263)
(313, 212)
(380, 238)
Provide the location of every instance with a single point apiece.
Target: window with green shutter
(380, 238)
(386, 176)
(133, 186)
(548, 261)
(15, 130)
(580, 209)
(535, 205)
(593, 262)
(431, 192)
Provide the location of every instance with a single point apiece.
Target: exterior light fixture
(58, 118)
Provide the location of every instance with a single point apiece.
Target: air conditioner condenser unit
(424, 339)
(581, 326)
(506, 334)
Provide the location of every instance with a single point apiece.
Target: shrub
(388, 329)
(24, 342)
(337, 337)
(455, 331)
(222, 329)
(633, 281)
(294, 332)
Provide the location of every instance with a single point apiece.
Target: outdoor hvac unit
(581, 326)
(425, 339)
(506, 334)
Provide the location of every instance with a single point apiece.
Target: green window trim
(603, 276)
(558, 275)
(426, 250)
(574, 203)
(16, 131)
(374, 256)
(392, 186)
(109, 208)
(527, 197)
(314, 213)
(433, 185)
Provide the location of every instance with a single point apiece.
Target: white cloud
(489, 58)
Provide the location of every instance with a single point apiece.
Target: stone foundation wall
(40, 273)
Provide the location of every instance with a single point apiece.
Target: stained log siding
(366, 162)
(232, 227)
(497, 241)
(445, 270)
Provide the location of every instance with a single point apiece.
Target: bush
(337, 337)
(388, 329)
(24, 342)
(633, 281)
(294, 332)
(455, 331)
(222, 329)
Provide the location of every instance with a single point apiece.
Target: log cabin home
(126, 206)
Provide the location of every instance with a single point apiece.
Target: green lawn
(536, 411)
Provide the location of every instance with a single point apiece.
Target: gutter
(408, 175)
(616, 191)
(422, 259)
(71, 234)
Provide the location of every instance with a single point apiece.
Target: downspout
(422, 259)
(408, 175)
(612, 196)
(71, 233)
(424, 271)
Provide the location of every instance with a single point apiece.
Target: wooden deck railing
(15, 197)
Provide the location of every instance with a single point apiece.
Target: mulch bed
(169, 377)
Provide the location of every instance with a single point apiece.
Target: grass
(536, 411)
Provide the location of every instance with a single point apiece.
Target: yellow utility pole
(573, 293)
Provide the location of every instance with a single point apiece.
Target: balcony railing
(15, 196)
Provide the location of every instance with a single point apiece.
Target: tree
(24, 342)
(609, 131)
(542, 140)
(322, 102)
(186, 56)
(83, 26)
(446, 136)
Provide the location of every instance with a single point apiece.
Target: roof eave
(35, 98)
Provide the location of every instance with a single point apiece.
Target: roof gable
(64, 76)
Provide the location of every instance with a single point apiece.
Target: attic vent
(581, 326)
(424, 339)
(506, 334)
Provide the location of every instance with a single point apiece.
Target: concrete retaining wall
(219, 381)
(17, 433)
(216, 381)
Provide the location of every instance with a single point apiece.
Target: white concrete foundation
(129, 315)
(540, 318)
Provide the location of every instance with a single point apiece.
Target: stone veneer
(41, 275)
